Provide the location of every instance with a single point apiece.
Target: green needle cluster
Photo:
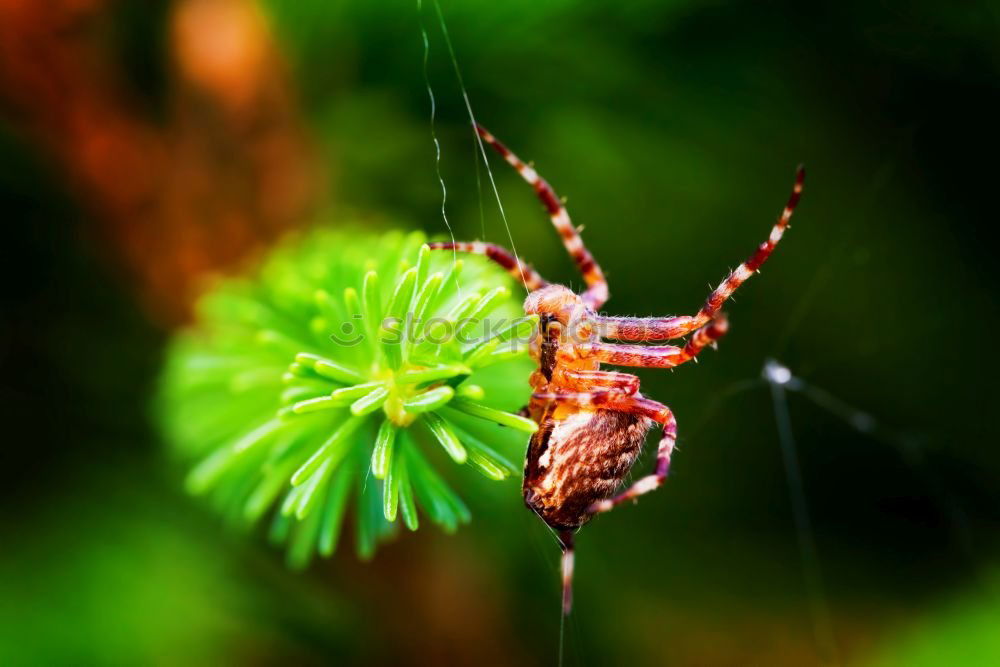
(348, 373)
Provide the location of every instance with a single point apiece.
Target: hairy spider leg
(599, 388)
(585, 379)
(651, 356)
(597, 285)
(664, 328)
(606, 399)
(522, 272)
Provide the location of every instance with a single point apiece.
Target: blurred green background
(146, 145)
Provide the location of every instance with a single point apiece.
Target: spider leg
(594, 399)
(661, 414)
(652, 356)
(522, 272)
(583, 380)
(598, 398)
(584, 388)
(597, 285)
(665, 328)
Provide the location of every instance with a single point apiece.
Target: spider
(593, 422)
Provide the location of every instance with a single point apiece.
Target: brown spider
(592, 422)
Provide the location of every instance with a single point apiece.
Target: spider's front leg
(662, 415)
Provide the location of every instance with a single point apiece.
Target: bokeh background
(146, 146)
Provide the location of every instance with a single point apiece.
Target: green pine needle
(350, 370)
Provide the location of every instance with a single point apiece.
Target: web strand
(479, 185)
(909, 446)
(472, 120)
(777, 377)
(434, 138)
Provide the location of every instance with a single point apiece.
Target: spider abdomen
(578, 460)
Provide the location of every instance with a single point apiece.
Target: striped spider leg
(592, 421)
(597, 285)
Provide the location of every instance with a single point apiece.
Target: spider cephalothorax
(592, 422)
